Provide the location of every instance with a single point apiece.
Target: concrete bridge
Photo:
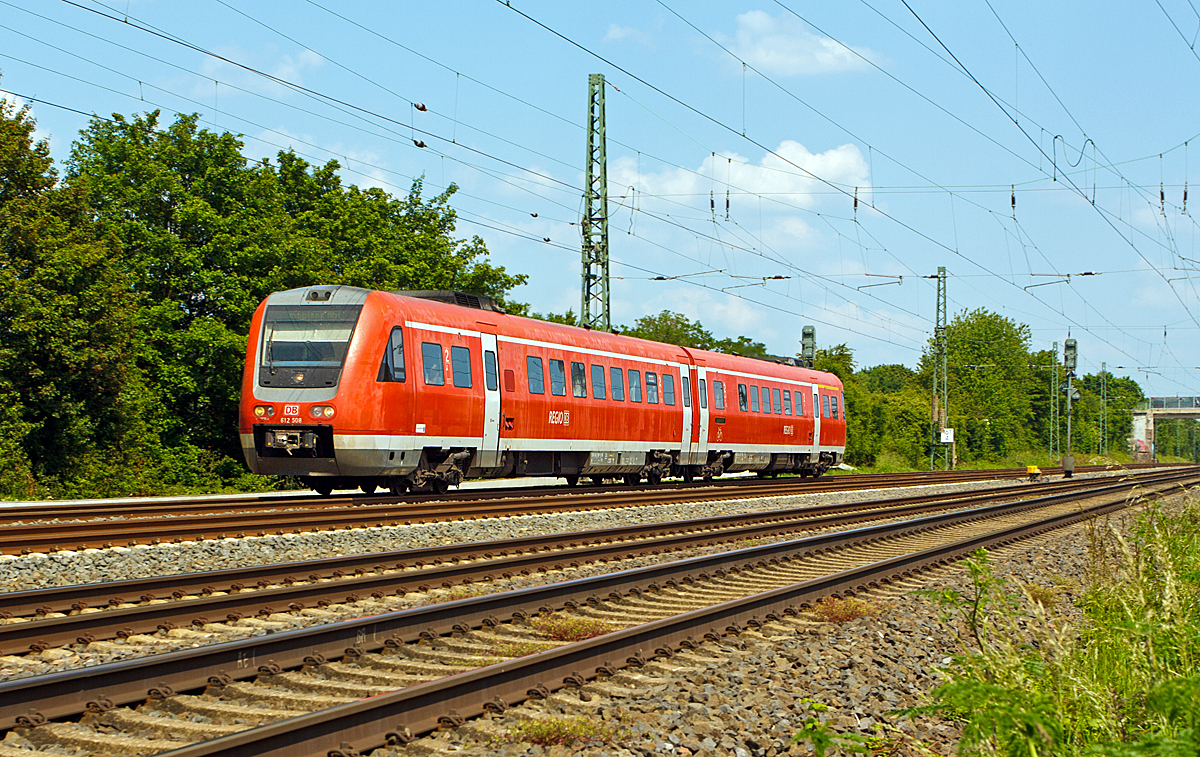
(1163, 408)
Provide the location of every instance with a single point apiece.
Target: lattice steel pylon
(594, 310)
(941, 393)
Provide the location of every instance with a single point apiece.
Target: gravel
(70, 567)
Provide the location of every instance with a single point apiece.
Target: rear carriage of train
(348, 387)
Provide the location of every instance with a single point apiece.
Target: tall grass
(1123, 681)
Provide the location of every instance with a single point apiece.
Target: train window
(668, 387)
(702, 392)
(754, 398)
(460, 363)
(578, 380)
(392, 367)
(787, 402)
(618, 383)
(431, 357)
(824, 405)
(510, 380)
(687, 391)
(537, 380)
(833, 406)
(742, 398)
(558, 378)
(651, 388)
(718, 395)
(598, 390)
(778, 407)
(489, 370)
(766, 403)
(635, 385)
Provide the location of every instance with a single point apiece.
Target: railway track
(54, 527)
(364, 682)
(42, 619)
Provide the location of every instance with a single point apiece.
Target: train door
(489, 453)
(700, 398)
(686, 445)
(815, 436)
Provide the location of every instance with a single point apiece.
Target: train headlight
(263, 411)
(321, 411)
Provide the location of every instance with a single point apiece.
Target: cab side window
(460, 364)
(635, 385)
(824, 405)
(578, 380)
(431, 359)
(558, 378)
(392, 367)
(537, 379)
(598, 390)
(618, 383)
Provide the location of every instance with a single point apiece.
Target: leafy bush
(1125, 683)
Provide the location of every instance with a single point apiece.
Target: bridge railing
(1169, 403)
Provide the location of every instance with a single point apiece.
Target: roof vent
(462, 299)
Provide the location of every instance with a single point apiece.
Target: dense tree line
(130, 281)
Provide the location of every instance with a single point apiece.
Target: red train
(348, 387)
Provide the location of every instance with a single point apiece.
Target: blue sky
(782, 112)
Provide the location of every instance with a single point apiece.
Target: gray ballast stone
(70, 567)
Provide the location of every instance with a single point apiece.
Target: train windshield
(305, 345)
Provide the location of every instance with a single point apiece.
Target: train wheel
(654, 476)
(368, 488)
(632, 479)
(572, 479)
(439, 486)
(399, 487)
(323, 489)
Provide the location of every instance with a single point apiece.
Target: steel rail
(19, 537)
(65, 693)
(223, 503)
(395, 717)
(485, 561)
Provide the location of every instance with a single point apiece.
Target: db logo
(291, 409)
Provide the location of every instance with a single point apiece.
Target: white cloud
(617, 33)
(782, 45)
(777, 173)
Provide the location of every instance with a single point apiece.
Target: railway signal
(1070, 360)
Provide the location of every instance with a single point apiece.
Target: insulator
(726, 204)
(1185, 197)
(712, 202)
(1014, 198)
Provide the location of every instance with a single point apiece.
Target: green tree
(671, 328)
(205, 235)
(742, 345)
(77, 416)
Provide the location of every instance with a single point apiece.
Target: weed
(1124, 683)
(567, 731)
(1045, 596)
(466, 591)
(834, 610)
(563, 627)
(519, 649)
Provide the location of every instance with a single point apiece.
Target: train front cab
(294, 387)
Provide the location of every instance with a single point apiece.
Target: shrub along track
(43, 619)
(56, 526)
(406, 672)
